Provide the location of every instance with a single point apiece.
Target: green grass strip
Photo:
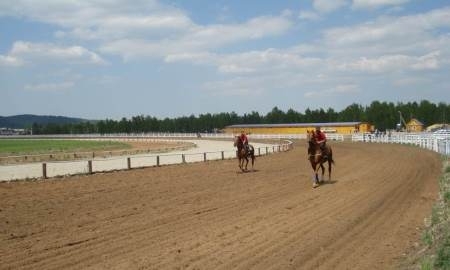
(26, 146)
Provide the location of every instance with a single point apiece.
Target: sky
(108, 59)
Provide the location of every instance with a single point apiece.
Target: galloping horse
(317, 159)
(243, 154)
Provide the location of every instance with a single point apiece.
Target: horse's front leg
(246, 162)
(316, 175)
(240, 163)
(323, 172)
(329, 169)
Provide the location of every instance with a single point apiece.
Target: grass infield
(40, 146)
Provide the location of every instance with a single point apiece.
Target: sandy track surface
(210, 216)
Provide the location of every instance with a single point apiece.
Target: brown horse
(243, 154)
(318, 158)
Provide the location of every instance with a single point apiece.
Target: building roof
(414, 121)
(330, 124)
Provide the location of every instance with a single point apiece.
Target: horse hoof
(315, 185)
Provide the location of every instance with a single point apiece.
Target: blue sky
(100, 59)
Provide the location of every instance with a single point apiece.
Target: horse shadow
(328, 182)
(247, 171)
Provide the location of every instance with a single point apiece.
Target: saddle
(248, 148)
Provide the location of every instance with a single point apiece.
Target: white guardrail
(438, 142)
(205, 150)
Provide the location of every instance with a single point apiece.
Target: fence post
(204, 157)
(279, 148)
(183, 159)
(267, 150)
(129, 163)
(44, 170)
(157, 161)
(90, 166)
(223, 157)
(259, 151)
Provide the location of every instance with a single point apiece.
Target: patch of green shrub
(427, 238)
(447, 197)
(443, 255)
(426, 264)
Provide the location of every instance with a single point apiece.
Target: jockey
(321, 140)
(244, 140)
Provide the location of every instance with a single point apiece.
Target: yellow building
(300, 128)
(414, 125)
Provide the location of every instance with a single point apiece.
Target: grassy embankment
(436, 238)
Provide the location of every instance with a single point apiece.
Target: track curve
(211, 216)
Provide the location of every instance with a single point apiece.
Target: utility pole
(401, 121)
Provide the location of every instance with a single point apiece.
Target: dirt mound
(211, 216)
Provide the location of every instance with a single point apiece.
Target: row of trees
(382, 115)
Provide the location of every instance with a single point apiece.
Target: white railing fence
(436, 142)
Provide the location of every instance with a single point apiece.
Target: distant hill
(27, 120)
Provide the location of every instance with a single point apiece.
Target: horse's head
(237, 141)
(313, 147)
(310, 137)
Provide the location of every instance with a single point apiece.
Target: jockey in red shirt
(244, 140)
(321, 140)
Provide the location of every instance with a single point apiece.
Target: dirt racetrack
(210, 216)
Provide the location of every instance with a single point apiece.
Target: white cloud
(390, 63)
(334, 64)
(371, 4)
(309, 16)
(327, 6)
(120, 26)
(382, 64)
(102, 20)
(409, 81)
(10, 61)
(27, 51)
(50, 86)
(429, 61)
(143, 28)
(345, 89)
(77, 13)
(238, 86)
(200, 38)
(258, 62)
(359, 53)
(390, 30)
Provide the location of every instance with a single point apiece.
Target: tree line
(383, 115)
